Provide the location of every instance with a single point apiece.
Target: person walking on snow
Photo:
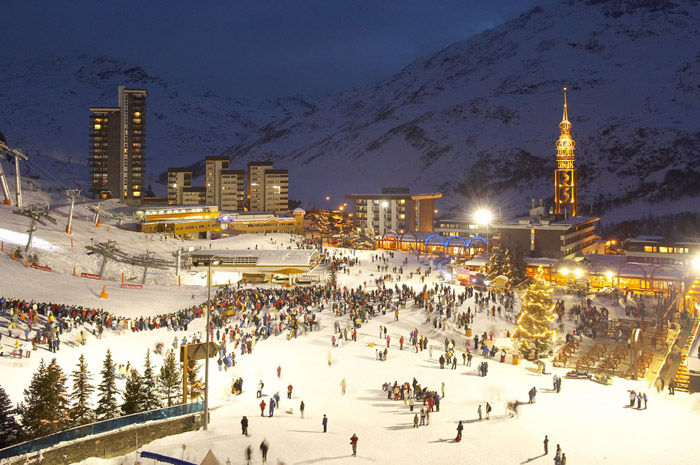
(324, 422)
(415, 420)
(301, 409)
(488, 411)
(343, 385)
(546, 445)
(353, 443)
(263, 449)
(262, 408)
(460, 427)
(479, 411)
(244, 425)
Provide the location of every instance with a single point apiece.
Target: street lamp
(206, 360)
(484, 217)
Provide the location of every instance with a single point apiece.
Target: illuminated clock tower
(565, 185)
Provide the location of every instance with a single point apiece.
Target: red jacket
(353, 439)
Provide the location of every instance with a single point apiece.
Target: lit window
(137, 114)
(98, 126)
(648, 248)
(664, 250)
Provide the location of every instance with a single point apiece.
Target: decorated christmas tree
(195, 385)
(533, 330)
(9, 428)
(170, 379)
(107, 406)
(149, 389)
(364, 239)
(81, 412)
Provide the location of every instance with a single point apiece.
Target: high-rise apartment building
(232, 190)
(256, 185)
(194, 195)
(118, 147)
(276, 191)
(212, 178)
(178, 179)
(105, 137)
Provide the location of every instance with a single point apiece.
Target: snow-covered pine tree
(107, 404)
(533, 330)
(133, 397)
(170, 379)
(195, 385)
(45, 407)
(81, 413)
(10, 431)
(364, 239)
(149, 389)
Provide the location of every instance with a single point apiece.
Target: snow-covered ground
(588, 420)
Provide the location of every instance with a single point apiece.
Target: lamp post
(484, 217)
(206, 360)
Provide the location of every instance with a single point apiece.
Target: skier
(244, 425)
(353, 443)
(264, 446)
(324, 422)
(460, 427)
(546, 445)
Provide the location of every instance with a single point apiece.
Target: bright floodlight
(564, 271)
(609, 275)
(483, 217)
(578, 271)
(385, 204)
(696, 263)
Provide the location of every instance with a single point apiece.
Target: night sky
(253, 49)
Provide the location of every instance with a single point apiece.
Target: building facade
(565, 177)
(661, 251)
(212, 178)
(256, 185)
(104, 161)
(194, 195)
(395, 209)
(118, 163)
(276, 190)
(232, 190)
(178, 179)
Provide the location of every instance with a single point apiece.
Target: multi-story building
(105, 137)
(394, 210)
(194, 195)
(661, 251)
(232, 190)
(212, 178)
(178, 179)
(118, 160)
(256, 185)
(276, 190)
(549, 237)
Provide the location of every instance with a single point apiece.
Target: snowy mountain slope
(44, 104)
(479, 119)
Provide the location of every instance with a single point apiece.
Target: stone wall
(113, 444)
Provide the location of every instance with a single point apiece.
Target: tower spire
(565, 181)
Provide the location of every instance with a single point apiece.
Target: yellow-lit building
(257, 223)
(191, 221)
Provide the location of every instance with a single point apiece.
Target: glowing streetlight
(328, 197)
(696, 263)
(564, 271)
(385, 204)
(578, 272)
(484, 217)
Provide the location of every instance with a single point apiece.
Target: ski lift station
(258, 266)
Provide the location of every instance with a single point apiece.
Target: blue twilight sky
(252, 49)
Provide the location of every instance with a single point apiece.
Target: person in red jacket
(262, 408)
(353, 443)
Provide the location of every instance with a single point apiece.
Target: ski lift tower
(17, 155)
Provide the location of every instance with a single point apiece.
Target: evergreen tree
(364, 239)
(107, 406)
(533, 333)
(133, 397)
(170, 379)
(10, 431)
(195, 385)
(81, 412)
(333, 277)
(45, 407)
(149, 388)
